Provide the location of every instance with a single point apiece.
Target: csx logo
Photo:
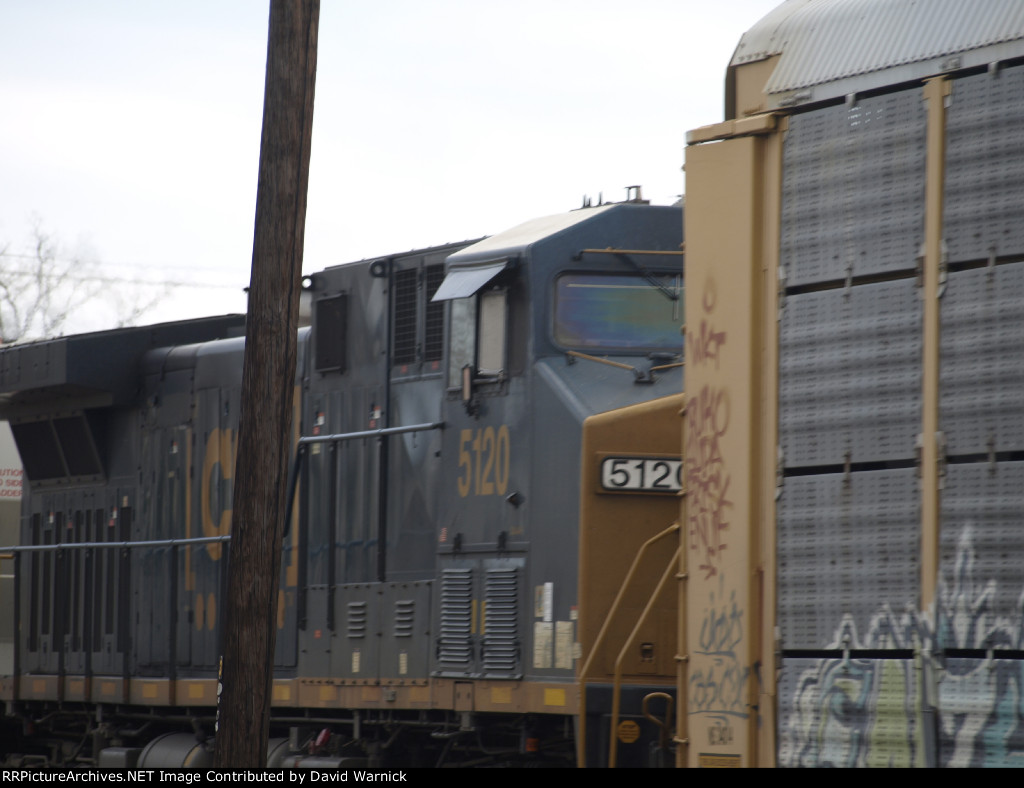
(218, 469)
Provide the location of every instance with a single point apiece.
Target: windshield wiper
(626, 256)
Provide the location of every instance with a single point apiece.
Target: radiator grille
(501, 621)
(455, 647)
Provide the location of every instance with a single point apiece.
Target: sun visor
(466, 280)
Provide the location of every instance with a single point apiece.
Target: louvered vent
(356, 624)
(433, 342)
(405, 617)
(405, 316)
(501, 621)
(455, 649)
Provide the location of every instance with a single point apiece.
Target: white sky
(131, 128)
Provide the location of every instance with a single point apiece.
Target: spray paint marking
(707, 422)
(861, 712)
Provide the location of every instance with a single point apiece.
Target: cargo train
(813, 557)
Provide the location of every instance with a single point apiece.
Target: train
(518, 539)
(428, 611)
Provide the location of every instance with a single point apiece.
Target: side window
(478, 336)
(490, 356)
(331, 322)
(462, 339)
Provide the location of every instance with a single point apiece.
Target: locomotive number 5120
(483, 461)
(641, 474)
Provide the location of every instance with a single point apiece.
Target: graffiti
(981, 701)
(707, 422)
(707, 479)
(704, 346)
(718, 687)
(717, 684)
(722, 629)
(919, 711)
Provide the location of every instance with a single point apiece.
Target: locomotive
(429, 609)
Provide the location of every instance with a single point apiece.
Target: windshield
(618, 312)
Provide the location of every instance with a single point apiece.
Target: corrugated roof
(832, 42)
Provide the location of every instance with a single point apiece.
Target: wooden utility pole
(267, 384)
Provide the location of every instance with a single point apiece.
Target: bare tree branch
(42, 289)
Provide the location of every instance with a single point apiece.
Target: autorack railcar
(854, 377)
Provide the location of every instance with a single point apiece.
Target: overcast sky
(131, 128)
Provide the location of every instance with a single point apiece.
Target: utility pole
(268, 376)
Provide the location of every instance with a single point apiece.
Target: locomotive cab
(551, 322)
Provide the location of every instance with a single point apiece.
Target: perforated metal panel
(848, 553)
(850, 374)
(982, 541)
(853, 189)
(980, 713)
(852, 713)
(985, 166)
(982, 370)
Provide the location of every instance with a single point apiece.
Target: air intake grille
(405, 617)
(455, 648)
(356, 624)
(405, 316)
(501, 621)
(433, 343)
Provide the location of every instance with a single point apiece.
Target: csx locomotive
(429, 611)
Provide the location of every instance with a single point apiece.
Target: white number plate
(641, 474)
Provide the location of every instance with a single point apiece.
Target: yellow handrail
(613, 749)
(585, 670)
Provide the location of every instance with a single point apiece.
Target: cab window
(618, 311)
(478, 335)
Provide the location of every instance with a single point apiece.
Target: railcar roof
(831, 48)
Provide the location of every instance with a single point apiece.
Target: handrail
(598, 641)
(345, 436)
(380, 434)
(613, 749)
(40, 548)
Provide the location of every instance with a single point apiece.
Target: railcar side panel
(898, 409)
